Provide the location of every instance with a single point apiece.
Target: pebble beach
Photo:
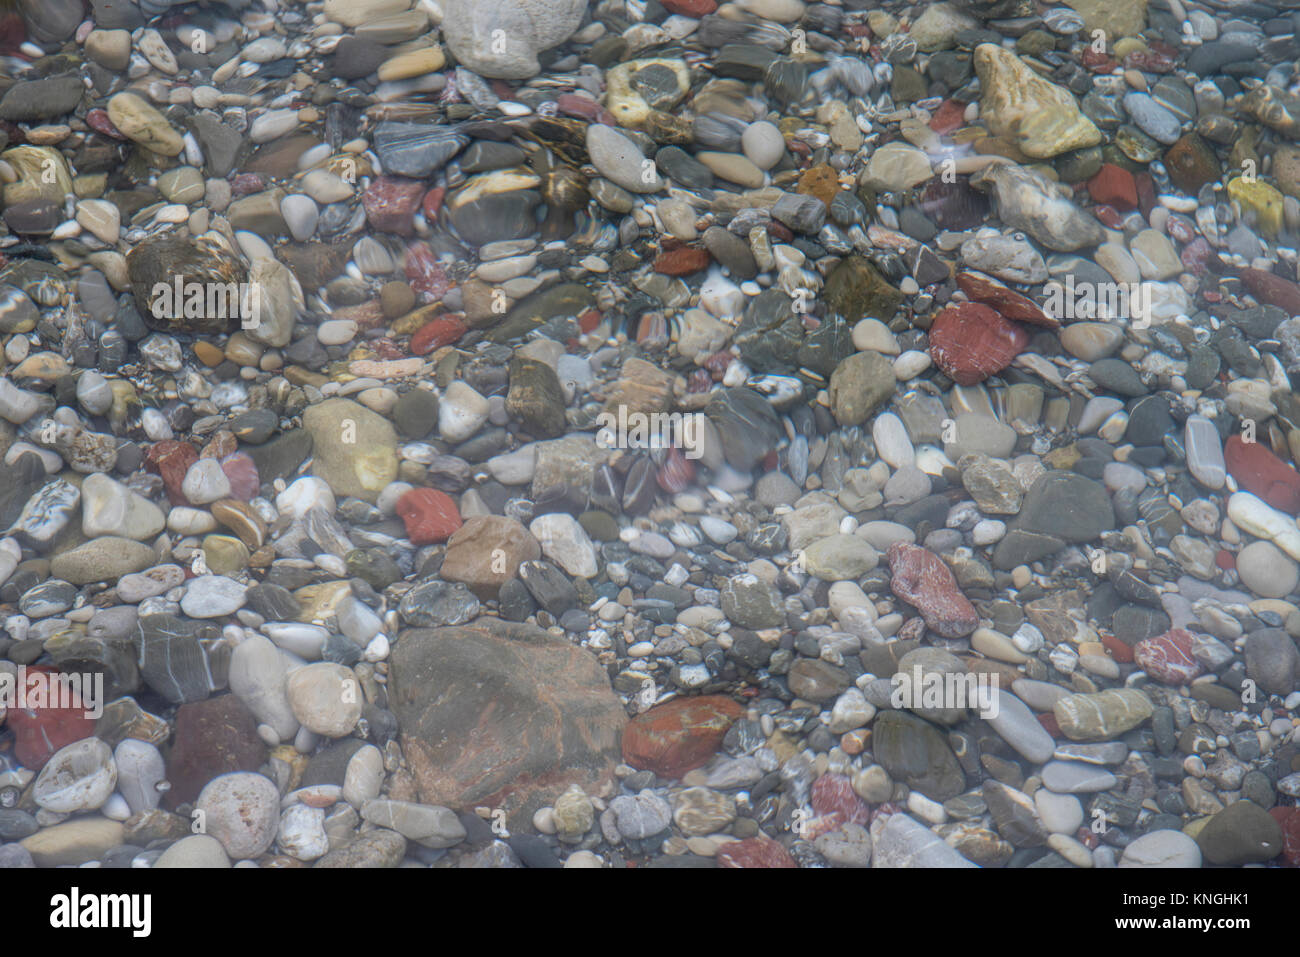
(650, 433)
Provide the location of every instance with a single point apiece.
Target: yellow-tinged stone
(351, 13)
(225, 554)
(882, 23)
(625, 103)
(782, 746)
(297, 375)
(42, 174)
(1276, 606)
(1260, 199)
(90, 185)
(414, 63)
(1062, 458)
(349, 167)
(296, 760)
(1042, 118)
(48, 135)
(1122, 48)
(1124, 19)
(997, 646)
(139, 122)
(74, 842)
(320, 602)
(490, 184)
(416, 319)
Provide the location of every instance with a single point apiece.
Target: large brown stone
(213, 737)
(486, 552)
(501, 714)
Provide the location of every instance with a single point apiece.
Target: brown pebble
(396, 298)
(210, 355)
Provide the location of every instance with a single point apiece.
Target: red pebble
(1149, 61)
(424, 273)
(1146, 189)
(921, 579)
(1260, 472)
(754, 852)
(691, 8)
(390, 203)
(1225, 559)
(699, 381)
(432, 203)
(682, 261)
(1288, 818)
(1048, 721)
(1108, 216)
(971, 342)
(1097, 62)
(779, 231)
(1181, 229)
(1272, 290)
(242, 472)
(950, 116)
(677, 472)
(97, 119)
(589, 320)
(1168, 657)
(13, 34)
(440, 332)
(430, 516)
(680, 735)
(1118, 650)
(1003, 299)
(1114, 185)
(39, 730)
(1196, 255)
(170, 459)
(834, 800)
(245, 184)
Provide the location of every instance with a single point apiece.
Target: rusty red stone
(680, 735)
(835, 803)
(97, 119)
(241, 470)
(1288, 818)
(390, 203)
(1003, 299)
(1260, 472)
(950, 116)
(754, 852)
(970, 342)
(1113, 185)
(691, 8)
(40, 730)
(425, 275)
(1168, 657)
(170, 459)
(682, 261)
(437, 333)
(430, 516)
(1271, 289)
(921, 579)
(676, 473)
